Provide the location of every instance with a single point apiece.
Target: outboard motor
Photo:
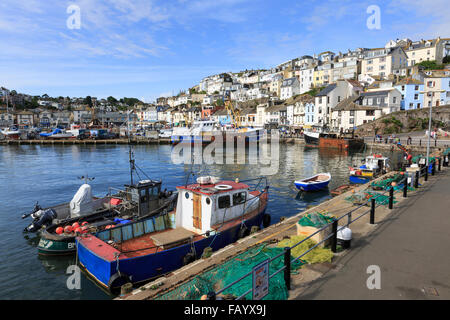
(41, 218)
(36, 208)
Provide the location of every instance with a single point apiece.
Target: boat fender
(116, 277)
(266, 220)
(188, 258)
(243, 232)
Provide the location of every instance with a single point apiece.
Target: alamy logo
(374, 20)
(374, 280)
(230, 148)
(74, 20)
(74, 280)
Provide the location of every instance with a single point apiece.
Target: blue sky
(149, 48)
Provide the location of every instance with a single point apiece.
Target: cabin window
(186, 194)
(224, 202)
(239, 198)
(208, 201)
(142, 195)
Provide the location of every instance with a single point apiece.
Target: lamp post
(429, 122)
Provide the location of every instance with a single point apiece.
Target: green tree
(88, 101)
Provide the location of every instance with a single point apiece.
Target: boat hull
(310, 140)
(311, 187)
(147, 267)
(359, 179)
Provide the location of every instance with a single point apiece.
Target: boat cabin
(202, 206)
(146, 194)
(376, 163)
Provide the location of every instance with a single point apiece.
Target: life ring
(222, 187)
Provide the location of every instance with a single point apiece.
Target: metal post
(372, 211)
(426, 172)
(416, 180)
(439, 166)
(433, 168)
(211, 295)
(287, 270)
(420, 142)
(334, 237)
(391, 197)
(405, 187)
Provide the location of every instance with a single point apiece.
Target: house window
(370, 112)
(403, 88)
(416, 96)
(352, 113)
(416, 88)
(394, 99)
(351, 120)
(224, 202)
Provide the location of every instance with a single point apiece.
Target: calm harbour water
(49, 174)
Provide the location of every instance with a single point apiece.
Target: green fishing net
(315, 219)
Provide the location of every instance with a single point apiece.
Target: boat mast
(130, 152)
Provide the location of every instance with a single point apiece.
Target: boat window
(142, 195)
(224, 202)
(239, 198)
(155, 191)
(186, 194)
(208, 201)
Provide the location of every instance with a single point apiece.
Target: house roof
(349, 104)
(304, 98)
(326, 90)
(409, 80)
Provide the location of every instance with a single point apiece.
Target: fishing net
(385, 184)
(380, 199)
(317, 255)
(230, 271)
(357, 198)
(418, 157)
(315, 219)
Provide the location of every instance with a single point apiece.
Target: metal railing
(423, 171)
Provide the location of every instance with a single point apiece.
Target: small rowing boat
(317, 182)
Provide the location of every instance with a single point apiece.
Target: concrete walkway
(411, 247)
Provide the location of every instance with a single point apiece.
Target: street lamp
(429, 122)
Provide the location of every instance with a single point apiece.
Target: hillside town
(338, 91)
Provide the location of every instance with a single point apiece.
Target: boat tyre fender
(188, 258)
(266, 220)
(115, 278)
(243, 232)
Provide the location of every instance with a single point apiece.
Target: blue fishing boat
(209, 215)
(315, 183)
(359, 179)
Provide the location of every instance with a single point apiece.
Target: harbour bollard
(372, 211)
(126, 288)
(416, 180)
(391, 197)
(211, 295)
(439, 166)
(334, 237)
(426, 173)
(433, 168)
(287, 265)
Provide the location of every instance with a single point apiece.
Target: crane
(234, 113)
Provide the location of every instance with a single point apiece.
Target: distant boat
(317, 182)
